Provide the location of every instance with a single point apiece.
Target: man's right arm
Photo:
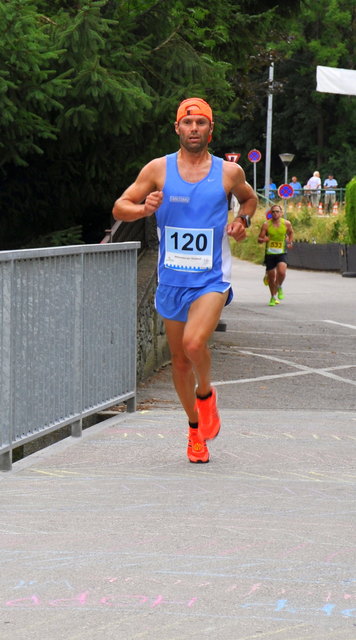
(143, 197)
(263, 234)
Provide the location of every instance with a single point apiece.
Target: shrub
(60, 238)
(307, 226)
(351, 209)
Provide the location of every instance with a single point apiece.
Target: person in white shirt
(314, 185)
(330, 194)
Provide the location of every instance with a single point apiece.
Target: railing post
(6, 461)
(77, 429)
(6, 359)
(131, 405)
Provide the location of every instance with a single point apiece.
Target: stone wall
(152, 348)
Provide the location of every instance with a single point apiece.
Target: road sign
(285, 191)
(254, 155)
(232, 157)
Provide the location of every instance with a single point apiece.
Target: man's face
(194, 132)
(276, 213)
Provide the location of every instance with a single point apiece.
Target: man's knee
(193, 346)
(181, 363)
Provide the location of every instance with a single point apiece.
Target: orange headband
(194, 107)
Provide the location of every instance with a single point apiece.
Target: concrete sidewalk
(116, 536)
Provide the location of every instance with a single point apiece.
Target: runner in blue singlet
(188, 191)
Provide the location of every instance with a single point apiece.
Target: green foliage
(89, 91)
(250, 249)
(307, 227)
(29, 89)
(351, 209)
(304, 218)
(60, 238)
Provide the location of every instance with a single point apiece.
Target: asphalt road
(300, 354)
(116, 536)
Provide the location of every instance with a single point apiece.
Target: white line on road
(303, 370)
(221, 383)
(341, 324)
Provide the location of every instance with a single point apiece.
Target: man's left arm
(290, 235)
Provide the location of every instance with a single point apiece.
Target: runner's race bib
(275, 247)
(188, 249)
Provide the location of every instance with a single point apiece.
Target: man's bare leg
(203, 317)
(281, 273)
(182, 369)
(191, 361)
(272, 281)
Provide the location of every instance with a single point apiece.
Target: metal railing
(304, 195)
(127, 231)
(67, 338)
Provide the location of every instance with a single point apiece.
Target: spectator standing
(306, 195)
(297, 188)
(272, 190)
(314, 186)
(330, 194)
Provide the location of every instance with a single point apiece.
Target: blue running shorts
(173, 303)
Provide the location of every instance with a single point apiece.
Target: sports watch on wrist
(246, 220)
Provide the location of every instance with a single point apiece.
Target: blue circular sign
(254, 155)
(285, 191)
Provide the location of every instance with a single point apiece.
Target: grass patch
(308, 227)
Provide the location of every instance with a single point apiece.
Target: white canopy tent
(336, 80)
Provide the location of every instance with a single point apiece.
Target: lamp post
(286, 159)
(269, 131)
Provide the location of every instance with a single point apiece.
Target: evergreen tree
(29, 88)
(97, 84)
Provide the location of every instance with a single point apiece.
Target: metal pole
(269, 130)
(285, 182)
(254, 176)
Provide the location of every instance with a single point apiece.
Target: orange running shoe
(209, 419)
(197, 450)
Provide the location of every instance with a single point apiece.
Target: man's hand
(152, 202)
(237, 230)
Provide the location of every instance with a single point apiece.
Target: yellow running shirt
(277, 237)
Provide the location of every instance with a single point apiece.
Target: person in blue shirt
(330, 185)
(298, 190)
(272, 190)
(188, 193)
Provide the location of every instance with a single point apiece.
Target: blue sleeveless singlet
(194, 248)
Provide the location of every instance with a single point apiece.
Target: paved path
(117, 536)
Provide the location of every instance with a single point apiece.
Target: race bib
(275, 247)
(188, 249)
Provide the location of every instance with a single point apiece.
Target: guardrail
(128, 231)
(67, 338)
(304, 196)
